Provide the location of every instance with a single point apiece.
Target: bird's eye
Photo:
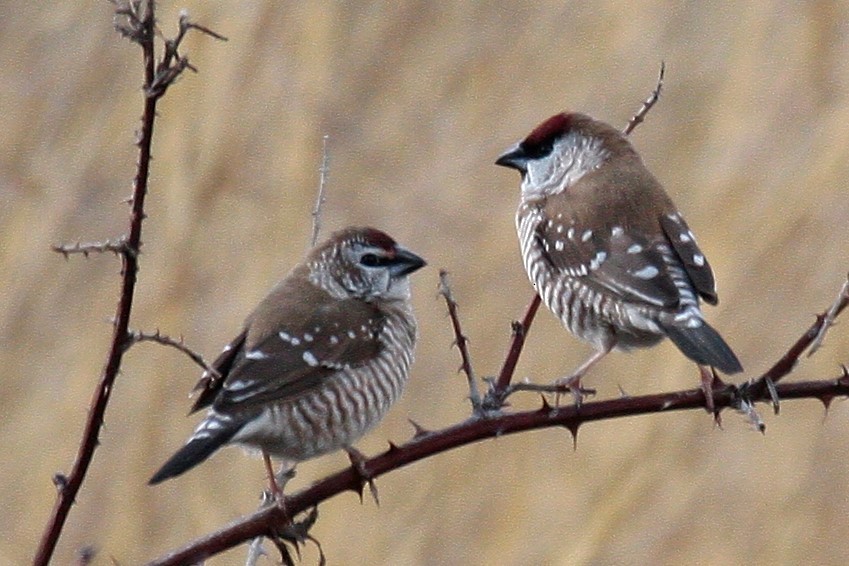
(539, 150)
(373, 260)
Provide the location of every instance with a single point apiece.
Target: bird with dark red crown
(606, 249)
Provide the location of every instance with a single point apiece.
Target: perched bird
(319, 361)
(606, 249)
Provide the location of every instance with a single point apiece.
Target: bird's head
(561, 150)
(363, 263)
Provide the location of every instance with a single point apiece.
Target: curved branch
(266, 521)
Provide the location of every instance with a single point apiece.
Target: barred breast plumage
(605, 247)
(320, 360)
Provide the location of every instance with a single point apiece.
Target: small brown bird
(319, 361)
(605, 247)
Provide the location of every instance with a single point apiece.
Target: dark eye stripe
(374, 260)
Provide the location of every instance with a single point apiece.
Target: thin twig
(323, 171)
(135, 336)
(495, 396)
(118, 246)
(638, 118)
(830, 316)
(460, 340)
(173, 64)
(788, 361)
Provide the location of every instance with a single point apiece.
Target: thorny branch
(830, 317)
(461, 341)
(136, 336)
(117, 247)
(134, 20)
(427, 444)
(323, 171)
(640, 116)
(497, 391)
(814, 336)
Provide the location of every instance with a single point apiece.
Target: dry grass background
(418, 98)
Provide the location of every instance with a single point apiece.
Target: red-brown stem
(788, 361)
(71, 484)
(460, 339)
(520, 331)
(266, 521)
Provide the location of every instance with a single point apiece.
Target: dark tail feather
(704, 346)
(206, 440)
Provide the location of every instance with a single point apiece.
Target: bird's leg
(276, 490)
(358, 460)
(573, 382)
(709, 379)
(284, 474)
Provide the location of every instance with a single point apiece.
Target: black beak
(405, 262)
(515, 158)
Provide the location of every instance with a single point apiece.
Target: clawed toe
(572, 384)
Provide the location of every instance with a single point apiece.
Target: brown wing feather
(209, 383)
(695, 263)
(291, 348)
(623, 263)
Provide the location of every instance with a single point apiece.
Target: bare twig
(460, 340)
(139, 24)
(830, 316)
(135, 336)
(756, 389)
(117, 247)
(173, 64)
(323, 171)
(498, 389)
(638, 118)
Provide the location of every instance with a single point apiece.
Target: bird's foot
(572, 384)
(358, 462)
(710, 379)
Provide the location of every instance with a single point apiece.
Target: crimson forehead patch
(552, 128)
(378, 238)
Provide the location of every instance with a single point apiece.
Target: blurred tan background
(751, 138)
